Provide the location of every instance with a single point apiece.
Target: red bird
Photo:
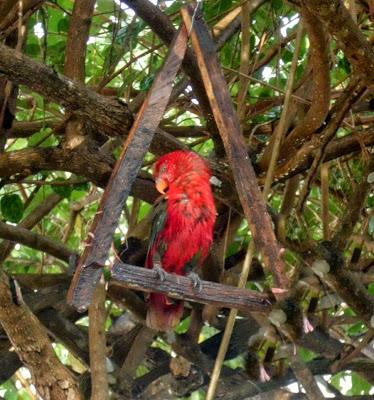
(182, 231)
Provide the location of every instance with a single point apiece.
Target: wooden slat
(236, 149)
(180, 287)
(125, 171)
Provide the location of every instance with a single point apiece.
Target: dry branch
(9, 14)
(305, 377)
(34, 240)
(313, 151)
(29, 161)
(320, 101)
(110, 115)
(74, 67)
(34, 348)
(356, 204)
(30, 221)
(98, 346)
(78, 36)
(346, 283)
(180, 287)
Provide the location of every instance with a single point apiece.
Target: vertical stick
(229, 326)
(325, 200)
(97, 343)
(280, 130)
(244, 60)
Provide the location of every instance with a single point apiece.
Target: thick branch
(340, 24)
(94, 167)
(110, 115)
(180, 287)
(320, 101)
(78, 35)
(34, 348)
(31, 220)
(34, 240)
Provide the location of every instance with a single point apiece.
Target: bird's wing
(157, 248)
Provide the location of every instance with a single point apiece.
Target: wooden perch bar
(125, 171)
(180, 287)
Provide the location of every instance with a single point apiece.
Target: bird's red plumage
(187, 232)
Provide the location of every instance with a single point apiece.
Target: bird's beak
(161, 185)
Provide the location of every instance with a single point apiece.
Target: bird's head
(173, 165)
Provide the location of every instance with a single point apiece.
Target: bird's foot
(160, 272)
(307, 326)
(197, 283)
(264, 376)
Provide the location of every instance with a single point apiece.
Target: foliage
(122, 59)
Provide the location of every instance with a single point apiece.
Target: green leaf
(84, 186)
(63, 25)
(146, 83)
(104, 6)
(371, 289)
(12, 207)
(287, 56)
(360, 386)
(10, 390)
(344, 63)
(43, 138)
(62, 190)
(32, 49)
(277, 4)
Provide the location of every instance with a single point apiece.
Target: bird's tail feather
(163, 312)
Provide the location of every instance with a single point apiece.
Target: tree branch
(340, 24)
(34, 348)
(98, 346)
(320, 101)
(34, 240)
(31, 220)
(113, 117)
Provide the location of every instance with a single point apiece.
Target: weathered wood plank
(124, 173)
(180, 287)
(236, 149)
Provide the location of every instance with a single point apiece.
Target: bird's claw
(264, 376)
(160, 272)
(307, 326)
(197, 283)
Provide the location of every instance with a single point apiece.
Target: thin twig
(244, 60)
(229, 326)
(325, 200)
(269, 85)
(280, 130)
